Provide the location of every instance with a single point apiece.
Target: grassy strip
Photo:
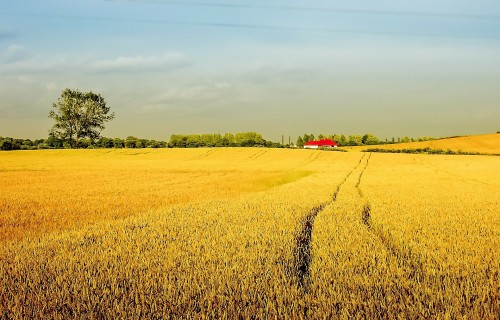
(334, 149)
(430, 151)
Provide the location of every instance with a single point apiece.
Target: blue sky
(392, 68)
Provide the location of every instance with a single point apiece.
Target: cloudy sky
(392, 68)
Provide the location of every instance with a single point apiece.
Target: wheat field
(248, 233)
(485, 143)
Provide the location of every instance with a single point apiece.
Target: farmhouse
(320, 144)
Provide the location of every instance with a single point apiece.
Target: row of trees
(245, 139)
(356, 140)
(53, 142)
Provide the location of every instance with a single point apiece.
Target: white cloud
(51, 86)
(187, 94)
(165, 62)
(29, 64)
(14, 53)
(221, 85)
(17, 59)
(23, 79)
(192, 99)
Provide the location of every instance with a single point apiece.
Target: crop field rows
(250, 233)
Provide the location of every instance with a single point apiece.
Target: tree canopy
(241, 139)
(79, 115)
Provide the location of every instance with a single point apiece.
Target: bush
(5, 145)
(334, 149)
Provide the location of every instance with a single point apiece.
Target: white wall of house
(310, 147)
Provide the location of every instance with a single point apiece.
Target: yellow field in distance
(486, 143)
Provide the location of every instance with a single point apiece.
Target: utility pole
(282, 140)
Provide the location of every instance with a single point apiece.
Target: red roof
(321, 143)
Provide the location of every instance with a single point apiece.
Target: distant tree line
(356, 140)
(242, 139)
(245, 139)
(52, 142)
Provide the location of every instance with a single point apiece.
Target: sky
(392, 68)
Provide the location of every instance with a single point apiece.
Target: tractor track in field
(205, 154)
(311, 158)
(424, 287)
(257, 154)
(406, 260)
(361, 175)
(302, 250)
(302, 258)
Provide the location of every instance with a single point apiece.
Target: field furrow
(302, 252)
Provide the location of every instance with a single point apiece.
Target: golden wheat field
(248, 233)
(486, 143)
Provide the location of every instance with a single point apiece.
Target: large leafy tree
(79, 115)
(370, 139)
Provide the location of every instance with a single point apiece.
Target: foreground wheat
(326, 235)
